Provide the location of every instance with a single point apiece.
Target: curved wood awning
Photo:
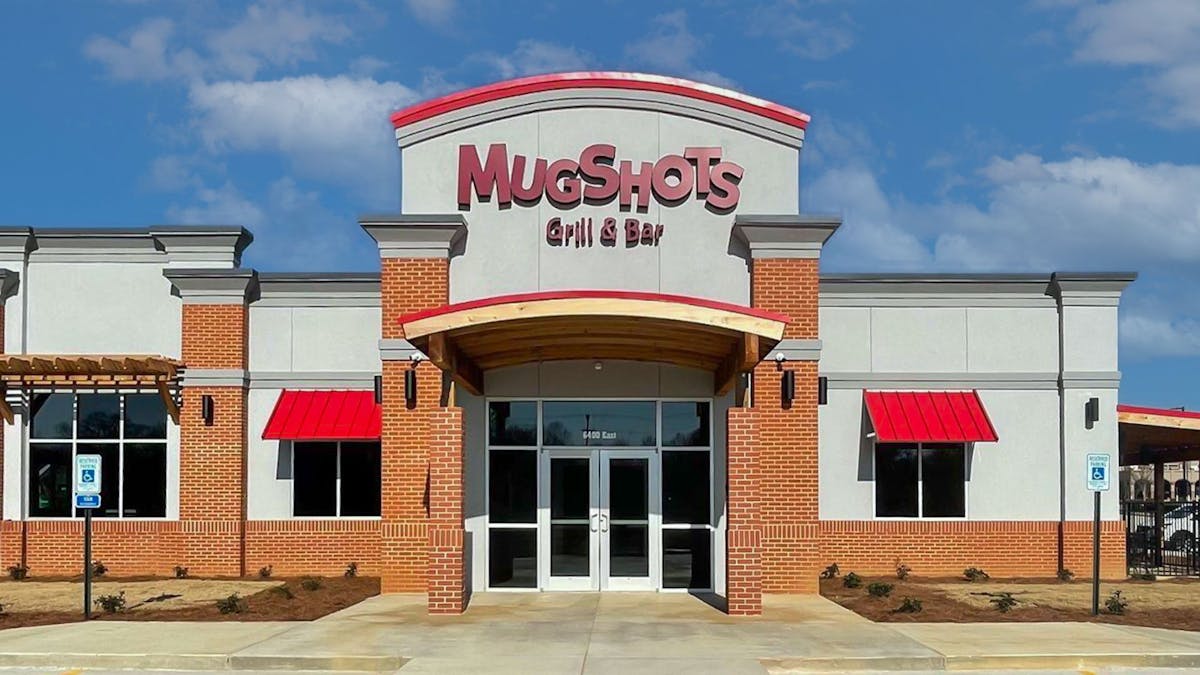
(466, 339)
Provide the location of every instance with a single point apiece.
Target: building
(606, 359)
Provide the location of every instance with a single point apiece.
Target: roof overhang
(468, 338)
(1152, 435)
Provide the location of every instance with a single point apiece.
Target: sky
(1035, 135)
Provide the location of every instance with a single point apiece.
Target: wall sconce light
(378, 389)
(410, 388)
(206, 409)
(822, 390)
(1091, 412)
(787, 385)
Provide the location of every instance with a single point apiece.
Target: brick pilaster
(447, 572)
(743, 586)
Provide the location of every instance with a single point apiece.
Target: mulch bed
(937, 607)
(289, 602)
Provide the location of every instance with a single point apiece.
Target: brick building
(599, 354)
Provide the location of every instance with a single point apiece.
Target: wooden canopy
(1151, 435)
(90, 370)
(468, 338)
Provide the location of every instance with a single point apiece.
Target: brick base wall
(321, 547)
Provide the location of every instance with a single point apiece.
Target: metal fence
(1162, 537)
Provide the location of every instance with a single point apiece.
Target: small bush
(265, 572)
(909, 606)
(18, 572)
(830, 572)
(1004, 602)
(879, 589)
(1115, 604)
(112, 603)
(1143, 576)
(975, 574)
(310, 583)
(181, 572)
(852, 580)
(284, 591)
(1065, 574)
(351, 570)
(902, 570)
(233, 604)
(99, 569)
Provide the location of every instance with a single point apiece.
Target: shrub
(852, 580)
(879, 589)
(181, 572)
(1115, 604)
(99, 569)
(233, 604)
(909, 606)
(265, 572)
(112, 603)
(1065, 574)
(902, 570)
(830, 572)
(18, 572)
(975, 574)
(351, 570)
(310, 583)
(284, 591)
(1144, 576)
(1004, 602)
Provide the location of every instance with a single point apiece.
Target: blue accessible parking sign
(1098, 472)
(87, 481)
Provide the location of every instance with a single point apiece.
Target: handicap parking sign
(1098, 472)
(87, 474)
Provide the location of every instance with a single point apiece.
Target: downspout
(1062, 430)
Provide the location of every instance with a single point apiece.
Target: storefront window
(685, 424)
(333, 479)
(512, 423)
(599, 423)
(926, 481)
(133, 474)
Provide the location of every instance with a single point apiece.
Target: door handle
(592, 522)
(603, 523)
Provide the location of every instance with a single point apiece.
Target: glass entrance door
(599, 521)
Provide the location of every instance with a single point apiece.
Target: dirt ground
(39, 602)
(1173, 603)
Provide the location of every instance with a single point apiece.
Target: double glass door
(599, 520)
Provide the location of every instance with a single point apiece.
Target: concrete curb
(333, 663)
(981, 662)
(200, 662)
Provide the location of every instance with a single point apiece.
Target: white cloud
(223, 205)
(332, 128)
(1162, 37)
(433, 12)
(533, 57)
(792, 24)
(672, 49)
(145, 55)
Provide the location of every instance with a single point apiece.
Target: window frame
(966, 449)
(75, 441)
(337, 483)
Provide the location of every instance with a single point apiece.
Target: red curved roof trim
(1139, 410)
(599, 80)
(603, 295)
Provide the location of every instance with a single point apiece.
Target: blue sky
(952, 136)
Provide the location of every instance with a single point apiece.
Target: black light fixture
(410, 388)
(787, 385)
(822, 390)
(206, 409)
(378, 390)
(1091, 412)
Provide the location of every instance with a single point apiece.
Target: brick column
(743, 538)
(421, 537)
(212, 458)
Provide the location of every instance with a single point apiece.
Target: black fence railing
(1162, 537)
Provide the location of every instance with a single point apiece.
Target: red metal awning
(928, 417)
(325, 416)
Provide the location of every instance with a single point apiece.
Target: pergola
(90, 371)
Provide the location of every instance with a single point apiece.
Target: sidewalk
(593, 633)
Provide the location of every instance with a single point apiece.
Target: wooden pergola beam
(445, 355)
(168, 400)
(741, 358)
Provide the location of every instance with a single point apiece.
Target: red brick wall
(946, 548)
(743, 539)
(447, 571)
(322, 547)
(409, 285)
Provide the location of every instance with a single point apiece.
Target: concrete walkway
(593, 633)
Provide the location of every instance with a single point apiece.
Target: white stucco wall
(314, 339)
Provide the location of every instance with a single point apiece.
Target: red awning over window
(928, 417)
(325, 416)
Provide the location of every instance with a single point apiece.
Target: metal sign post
(1098, 480)
(87, 498)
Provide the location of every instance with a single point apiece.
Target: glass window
(512, 486)
(512, 423)
(685, 487)
(361, 478)
(685, 424)
(100, 416)
(512, 558)
(145, 473)
(943, 474)
(51, 415)
(314, 479)
(687, 556)
(145, 416)
(50, 480)
(599, 423)
(896, 480)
